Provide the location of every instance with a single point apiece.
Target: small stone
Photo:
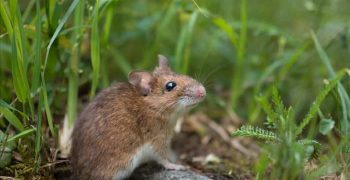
(212, 158)
(154, 171)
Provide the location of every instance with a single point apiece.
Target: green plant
(286, 152)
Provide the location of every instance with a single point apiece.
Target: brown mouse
(131, 123)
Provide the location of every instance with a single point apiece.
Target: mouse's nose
(200, 92)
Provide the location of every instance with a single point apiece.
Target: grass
(55, 55)
(73, 77)
(95, 50)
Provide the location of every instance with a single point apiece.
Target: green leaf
(59, 28)
(19, 62)
(95, 50)
(264, 103)
(256, 132)
(12, 118)
(183, 45)
(5, 105)
(73, 77)
(121, 61)
(344, 96)
(326, 125)
(20, 82)
(292, 60)
(6, 18)
(319, 99)
(37, 55)
(46, 105)
(20, 135)
(238, 75)
(38, 136)
(224, 26)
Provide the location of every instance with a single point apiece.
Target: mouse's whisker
(210, 83)
(211, 72)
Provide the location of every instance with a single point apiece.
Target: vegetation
(280, 66)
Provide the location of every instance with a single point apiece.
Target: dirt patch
(209, 154)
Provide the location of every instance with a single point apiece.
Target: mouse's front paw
(173, 166)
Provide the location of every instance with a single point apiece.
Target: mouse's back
(102, 132)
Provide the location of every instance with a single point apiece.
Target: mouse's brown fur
(125, 117)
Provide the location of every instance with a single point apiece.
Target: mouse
(132, 123)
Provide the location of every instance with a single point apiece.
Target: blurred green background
(239, 49)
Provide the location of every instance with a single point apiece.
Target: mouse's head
(165, 90)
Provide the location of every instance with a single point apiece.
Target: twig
(53, 163)
(7, 178)
(225, 136)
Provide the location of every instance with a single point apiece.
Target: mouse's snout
(200, 92)
(196, 91)
(192, 95)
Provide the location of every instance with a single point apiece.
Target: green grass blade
(344, 97)
(292, 60)
(37, 55)
(182, 48)
(107, 24)
(104, 41)
(36, 84)
(22, 134)
(50, 7)
(187, 52)
(12, 118)
(52, 40)
(18, 32)
(73, 77)
(122, 63)
(20, 58)
(14, 27)
(323, 55)
(166, 21)
(18, 74)
(161, 32)
(236, 85)
(47, 106)
(264, 103)
(267, 73)
(225, 27)
(319, 99)
(58, 29)
(5, 17)
(28, 10)
(38, 134)
(5, 105)
(95, 50)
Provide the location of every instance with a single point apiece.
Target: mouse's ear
(163, 66)
(142, 81)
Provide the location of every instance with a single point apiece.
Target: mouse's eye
(170, 86)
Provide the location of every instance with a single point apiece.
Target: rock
(174, 175)
(156, 172)
(151, 171)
